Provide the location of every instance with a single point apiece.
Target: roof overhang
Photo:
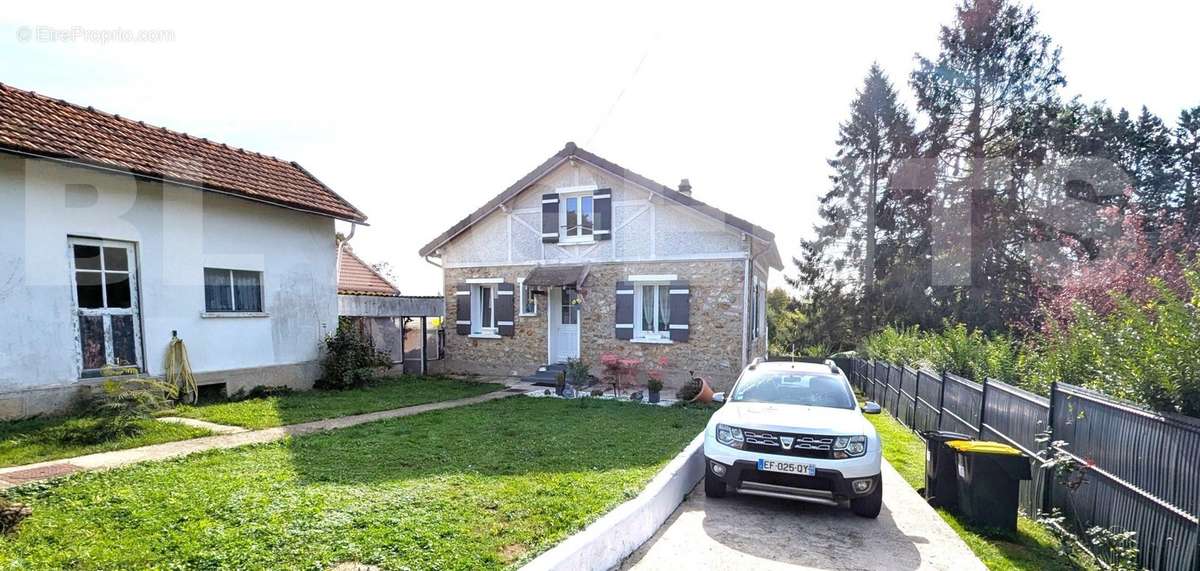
(556, 276)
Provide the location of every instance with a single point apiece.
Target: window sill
(526, 315)
(587, 242)
(232, 314)
(653, 341)
(483, 336)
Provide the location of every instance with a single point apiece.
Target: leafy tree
(1187, 140)
(786, 322)
(830, 310)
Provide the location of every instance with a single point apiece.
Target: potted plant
(695, 390)
(654, 380)
(653, 390)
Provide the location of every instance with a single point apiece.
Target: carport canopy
(556, 276)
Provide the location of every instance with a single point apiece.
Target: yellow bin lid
(983, 447)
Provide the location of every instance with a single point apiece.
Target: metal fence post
(916, 399)
(1048, 475)
(941, 401)
(982, 406)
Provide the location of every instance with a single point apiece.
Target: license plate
(786, 467)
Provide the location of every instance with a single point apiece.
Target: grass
(41, 439)
(477, 487)
(389, 393)
(1032, 547)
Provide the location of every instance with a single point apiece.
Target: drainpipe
(746, 300)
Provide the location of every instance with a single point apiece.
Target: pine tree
(990, 97)
(1187, 142)
(877, 135)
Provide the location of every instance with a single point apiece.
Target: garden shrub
(1144, 348)
(350, 361)
(119, 408)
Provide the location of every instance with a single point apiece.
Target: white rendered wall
(177, 232)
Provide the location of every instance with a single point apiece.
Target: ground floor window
(483, 309)
(527, 297)
(652, 311)
(234, 291)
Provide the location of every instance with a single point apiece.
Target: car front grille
(802, 445)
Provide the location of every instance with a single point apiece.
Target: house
(396, 324)
(116, 235)
(582, 257)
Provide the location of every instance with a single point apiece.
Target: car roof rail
(754, 363)
(833, 368)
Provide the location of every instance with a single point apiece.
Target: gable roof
(37, 125)
(573, 151)
(355, 277)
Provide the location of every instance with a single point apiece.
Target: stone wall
(715, 339)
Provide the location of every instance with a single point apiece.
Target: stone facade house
(582, 257)
(116, 235)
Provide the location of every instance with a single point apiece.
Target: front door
(104, 275)
(563, 337)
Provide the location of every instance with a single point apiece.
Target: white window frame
(523, 292)
(662, 295)
(235, 312)
(477, 317)
(564, 234)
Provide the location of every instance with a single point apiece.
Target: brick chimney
(685, 187)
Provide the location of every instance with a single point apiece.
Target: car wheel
(869, 506)
(713, 487)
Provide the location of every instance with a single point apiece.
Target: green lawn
(388, 393)
(1033, 547)
(39, 439)
(484, 486)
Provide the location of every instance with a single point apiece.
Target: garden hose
(179, 370)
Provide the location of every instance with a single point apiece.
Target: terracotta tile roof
(39, 125)
(355, 277)
(572, 150)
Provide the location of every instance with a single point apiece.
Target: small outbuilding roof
(355, 277)
(556, 276)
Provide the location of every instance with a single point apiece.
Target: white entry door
(563, 336)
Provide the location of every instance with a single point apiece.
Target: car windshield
(793, 387)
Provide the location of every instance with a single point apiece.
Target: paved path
(748, 532)
(16, 475)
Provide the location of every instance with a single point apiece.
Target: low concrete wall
(607, 542)
(60, 399)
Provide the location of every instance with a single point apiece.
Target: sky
(418, 113)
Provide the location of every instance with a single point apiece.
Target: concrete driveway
(748, 532)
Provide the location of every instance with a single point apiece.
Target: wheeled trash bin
(989, 477)
(941, 484)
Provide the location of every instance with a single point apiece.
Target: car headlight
(730, 436)
(849, 446)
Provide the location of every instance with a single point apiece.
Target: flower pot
(706, 393)
(568, 392)
(653, 396)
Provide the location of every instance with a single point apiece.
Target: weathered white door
(104, 275)
(563, 332)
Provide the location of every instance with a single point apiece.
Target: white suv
(793, 430)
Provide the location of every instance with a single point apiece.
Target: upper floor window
(236, 291)
(576, 217)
